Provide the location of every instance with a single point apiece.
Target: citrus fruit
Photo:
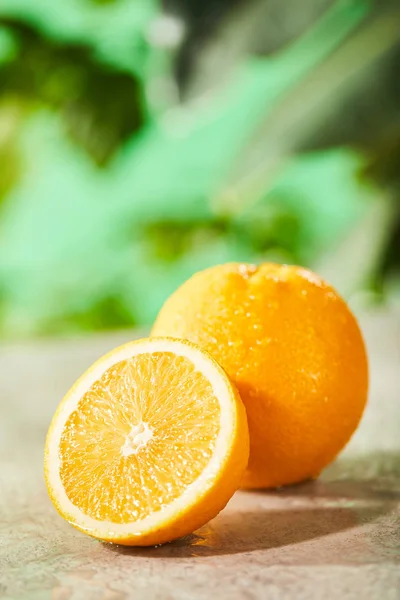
(295, 352)
(148, 445)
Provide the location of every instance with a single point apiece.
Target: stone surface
(338, 537)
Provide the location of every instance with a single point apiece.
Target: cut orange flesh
(148, 445)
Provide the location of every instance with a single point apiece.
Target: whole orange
(294, 350)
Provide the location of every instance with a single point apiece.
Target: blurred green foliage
(113, 192)
(99, 105)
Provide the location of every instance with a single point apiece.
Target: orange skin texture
(295, 352)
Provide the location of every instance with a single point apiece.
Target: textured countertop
(338, 537)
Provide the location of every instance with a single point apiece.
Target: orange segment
(148, 445)
(121, 425)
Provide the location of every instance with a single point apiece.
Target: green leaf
(101, 106)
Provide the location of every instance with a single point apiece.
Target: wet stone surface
(338, 537)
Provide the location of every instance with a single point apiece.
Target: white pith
(139, 437)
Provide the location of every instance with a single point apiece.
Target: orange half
(148, 445)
